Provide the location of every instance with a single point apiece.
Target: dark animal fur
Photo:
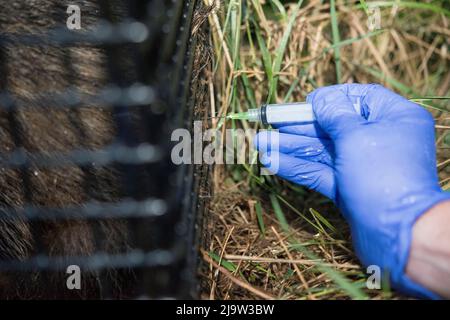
(27, 72)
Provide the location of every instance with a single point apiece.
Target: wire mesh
(147, 63)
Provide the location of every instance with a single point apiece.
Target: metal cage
(158, 199)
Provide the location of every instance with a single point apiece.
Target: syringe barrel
(299, 112)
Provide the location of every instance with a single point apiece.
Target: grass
(437, 7)
(273, 239)
(279, 54)
(336, 40)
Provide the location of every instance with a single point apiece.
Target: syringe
(299, 112)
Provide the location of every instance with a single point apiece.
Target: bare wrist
(429, 258)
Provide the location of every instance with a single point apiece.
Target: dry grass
(308, 255)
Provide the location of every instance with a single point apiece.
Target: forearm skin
(429, 258)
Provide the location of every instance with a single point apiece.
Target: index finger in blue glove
(378, 102)
(313, 175)
(353, 91)
(307, 129)
(311, 149)
(334, 111)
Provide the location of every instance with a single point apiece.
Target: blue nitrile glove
(378, 167)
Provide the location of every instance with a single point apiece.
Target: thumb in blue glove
(379, 167)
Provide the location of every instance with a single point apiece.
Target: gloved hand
(378, 167)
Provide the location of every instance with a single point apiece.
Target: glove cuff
(398, 277)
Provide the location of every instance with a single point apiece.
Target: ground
(267, 238)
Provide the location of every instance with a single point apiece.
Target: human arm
(379, 167)
(429, 258)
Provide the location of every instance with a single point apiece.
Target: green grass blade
(336, 40)
(364, 6)
(267, 58)
(322, 219)
(393, 82)
(279, 54)
(280, 8)
(428, 98)
(259, 216)
(248, 23)
(347, 42)
(290, 206)
(279, 213)
(230, 266)
(434, 107)
(249, 93)
(404, 89)
(291, 89)
(235, 29)
(225, 27)
(411, 5)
